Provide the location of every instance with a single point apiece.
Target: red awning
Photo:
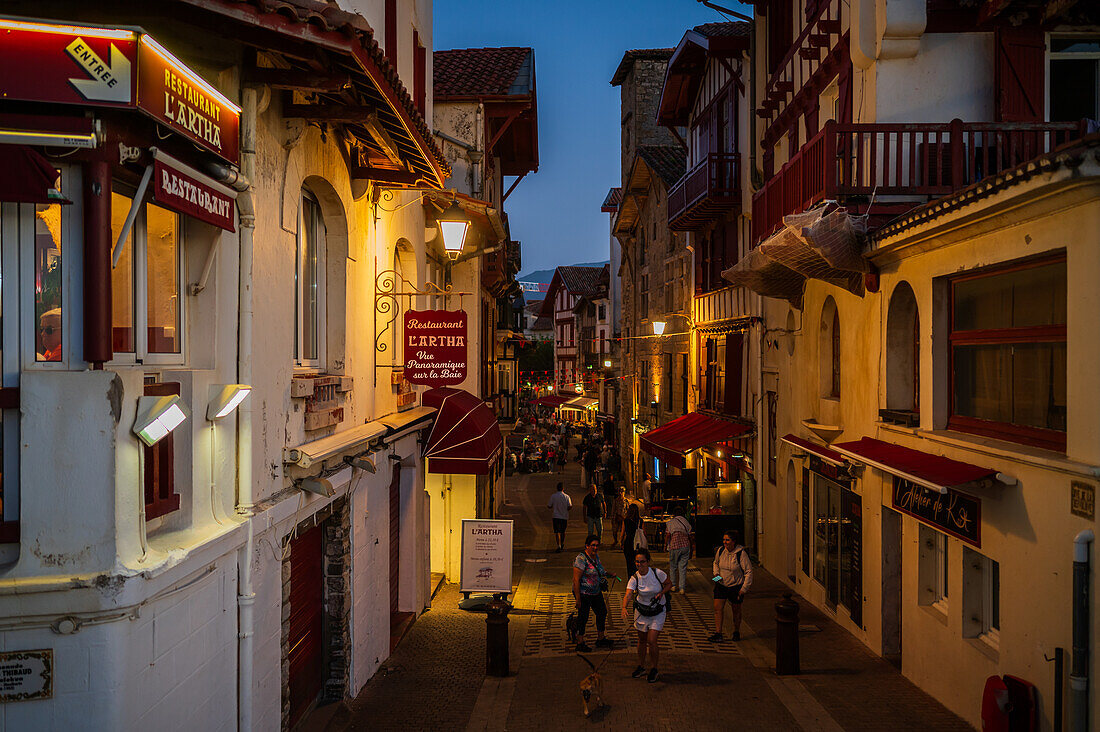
(931, 471)
(830, 456)
(552, 401)
(671, 441)
(26, 176)
(465, 437)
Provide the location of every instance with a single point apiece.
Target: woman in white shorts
(649, 586)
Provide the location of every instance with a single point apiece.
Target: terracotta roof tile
(475, 72)
(669, 162)
(733, 29)
(612, 200)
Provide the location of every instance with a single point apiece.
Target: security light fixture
(157, 416)
(454, 225)
(362, 462)
(320, 486)
(658, 327)
(224, 398)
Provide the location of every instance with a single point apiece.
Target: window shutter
(391, 31)
(1018, 74)
(734, 344)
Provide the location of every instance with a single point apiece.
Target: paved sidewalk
(436, 680)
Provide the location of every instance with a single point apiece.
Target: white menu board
(486, 556)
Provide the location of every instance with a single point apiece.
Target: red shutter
(420, 71)
(160, 465)
(391, 31)
(844, 89)
(734, 344)
(304, 662)
(1018, 74)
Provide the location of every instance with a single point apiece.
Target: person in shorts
(732, 578)
(649, 585)
(559, 504)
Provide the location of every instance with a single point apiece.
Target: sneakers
(674, 589)
(683, 591)
(638, 672)
(604, 643)
(716, 638)
(736, 635)
(653, 675)
(582, 647)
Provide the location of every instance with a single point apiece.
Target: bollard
(786, 636)
(496, 637)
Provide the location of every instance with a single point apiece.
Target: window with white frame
(933, 569)
(146, 284)
(309, 285)
(981, 597)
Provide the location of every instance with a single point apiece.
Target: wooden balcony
(898, 165)
(705, 192)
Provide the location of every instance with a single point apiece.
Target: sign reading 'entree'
(435, 347)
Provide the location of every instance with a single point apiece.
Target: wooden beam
(385, 142)
(306, 81)
(512, 188)
(329, 112)
(381, 175)
(503, 128)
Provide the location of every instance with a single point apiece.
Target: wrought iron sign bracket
(389, 286)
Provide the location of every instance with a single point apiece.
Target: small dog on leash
(591, 689)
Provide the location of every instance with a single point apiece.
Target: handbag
(655, 606)
(640, 542)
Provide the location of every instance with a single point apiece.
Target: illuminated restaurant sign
(110, 67)
(182, 189)
(435, 347)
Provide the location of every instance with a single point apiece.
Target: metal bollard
(496, 637)
(786, 636)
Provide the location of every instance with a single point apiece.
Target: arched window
(903, 351)
(829, 350)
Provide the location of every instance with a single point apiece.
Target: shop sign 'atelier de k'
(435, 347)
(108, 67)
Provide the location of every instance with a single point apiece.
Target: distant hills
(545, 275)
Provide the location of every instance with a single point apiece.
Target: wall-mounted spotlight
(224, 398)
(320, 486)
(157, 416)
(362, 462)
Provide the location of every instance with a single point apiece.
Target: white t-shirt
(560, 503)
(652, 582)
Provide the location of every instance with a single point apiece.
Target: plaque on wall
(1082, 500)
(953, 512)
(26, 675)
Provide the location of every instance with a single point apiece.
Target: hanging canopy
(931, 471)
(26, 176)
(465, 437)
(672, 441)
(552, 401)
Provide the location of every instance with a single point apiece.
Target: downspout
(246, 596)
(1079, 670)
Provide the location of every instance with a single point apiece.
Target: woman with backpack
(732, 578)
(648, 589)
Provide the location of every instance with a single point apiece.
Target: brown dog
(591, 689)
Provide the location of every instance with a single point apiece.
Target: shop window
(829, 350)
(48, 284)
(903, 351)
(160, 465)
(9, 361)
(1008, 353)
(309, 281)
(1074, 78)
(146, 283)
(837, 545)
(932, 569)
(981, 597)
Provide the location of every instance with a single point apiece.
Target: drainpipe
(246, 596)
(1079, 670)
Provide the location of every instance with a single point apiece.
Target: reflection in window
(309, 282)
(163, 301)
(47, 282)
(122, 279)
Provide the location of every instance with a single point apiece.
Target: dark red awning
(830, 456)
(672, 441)
(465, 437)
(931, 471)
(552, 401)
(25, 176)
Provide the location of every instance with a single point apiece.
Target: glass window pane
(163, 265)
(47, 282)
(122, 279)
(1076, 44)
(983, 382)
(309, 283)
(1028, 297)
(1072, 89)
(821, 529)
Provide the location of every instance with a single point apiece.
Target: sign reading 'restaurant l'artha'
(435, 347)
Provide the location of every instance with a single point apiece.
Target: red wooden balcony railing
(711, 187)
(905, 163)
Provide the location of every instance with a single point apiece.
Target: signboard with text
(486, 556)
(953, 513)
(26, 675)
(113, 67)
(177, 187)
(435, 347)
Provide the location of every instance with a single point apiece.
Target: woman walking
(732, 579)
(647, 588)
(589, 584)
(630, 525)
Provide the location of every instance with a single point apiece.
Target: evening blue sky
(555, 213)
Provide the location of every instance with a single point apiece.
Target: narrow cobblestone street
(435, 679)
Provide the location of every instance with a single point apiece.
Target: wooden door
(395, 537)
(305, 635)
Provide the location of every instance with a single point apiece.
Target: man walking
(594, 509)
(559, 504)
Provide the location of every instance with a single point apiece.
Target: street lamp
(454, 225)
(658, 327)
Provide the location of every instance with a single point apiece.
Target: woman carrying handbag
(648, 590)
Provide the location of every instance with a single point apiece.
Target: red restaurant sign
(109, 67)
(435, 347)
(181, 189)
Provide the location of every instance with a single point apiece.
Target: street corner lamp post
(157, 416)
(224, 398)
(454, 225)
